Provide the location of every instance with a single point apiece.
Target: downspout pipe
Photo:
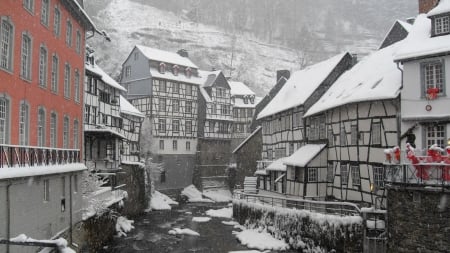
(8, 216)
(399, 125)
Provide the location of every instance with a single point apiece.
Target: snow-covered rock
(194, 195)
(221, 213)
(123, 226)
(201, 219)
(160, 201)
(255, 239)
(183, 231)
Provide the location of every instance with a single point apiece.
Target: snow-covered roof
(300, 86)
(304, 155)
(207, 80)
(246, 139)
(198, 80)
(443, 7)
(277, 165)
(31, 171)
(419, 42)
(165, 56)
(239, 88)
(127, 108)
(239, 103)
(404, 24)
(375, 77)
(105, 77)
(84, 15)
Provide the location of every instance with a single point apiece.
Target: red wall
(17, 89)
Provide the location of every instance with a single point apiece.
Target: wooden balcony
(12, 156)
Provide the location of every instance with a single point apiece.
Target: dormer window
(252, 100)
(175, 70)
(245, 100)
(441, 25)
(162, 68)
(188, 72)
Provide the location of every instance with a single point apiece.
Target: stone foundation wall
(418, 220)
(303, 230)
(133, 177)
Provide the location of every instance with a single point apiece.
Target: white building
(244, 101)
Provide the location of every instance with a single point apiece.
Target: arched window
(41, 128)
(4, 120)
(24, 123)
(188, 72)
(162, 68)
(175, 70)
(6, 44)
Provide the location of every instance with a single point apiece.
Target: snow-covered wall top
(419, 42)
(127, 108)
(375, 77)
(166, 56)
(239, 88)
(443, 7)
(300, 86)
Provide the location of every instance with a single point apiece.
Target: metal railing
(423, 174)
(323, 207)
(25, 156)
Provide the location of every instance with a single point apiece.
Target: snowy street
(176, 231)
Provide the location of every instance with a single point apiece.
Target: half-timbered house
(131, 128)
(164, 86)
(215, 128)
(282, 119)
(102, 120)
(359, 119)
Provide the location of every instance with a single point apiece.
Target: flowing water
(151, 232)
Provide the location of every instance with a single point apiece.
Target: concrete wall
(178, 171)
(33, 216)
(418, 220)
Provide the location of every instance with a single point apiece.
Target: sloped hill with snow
(240, 55)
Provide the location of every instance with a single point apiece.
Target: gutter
(8, 216)
(399, 126)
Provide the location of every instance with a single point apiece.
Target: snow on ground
(201, 219)
(160, 201)
(226, 212)
(230, 223)
(218, 195)
(260, 240)
(61, 243)
(184, 231)
(194, 195)
(123, 226)
(248, 251)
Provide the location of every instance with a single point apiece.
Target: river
(151, 233)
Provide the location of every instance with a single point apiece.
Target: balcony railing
(25, 156)
(423, 174)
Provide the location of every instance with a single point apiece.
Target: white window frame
(313, 175)
(43, 66)
(435, 134)
(330, 172)
(188, 145)
(76, 84)
(53, 130)
(344, 174)
(41, 127)
(433, 76)
(376, 133)
(354, 134)
(29, 5)
(378, 177)
(26, 57)
(45, 12)
(175, 105)
(356, 175)
(162, 125)
(6, 44)
(24, 123)
(4, 120)
(55, 73)
(175, 145)
(75, 134)
(46, 190)
(67, 81)
(78, 42)
(188, 126)
(66, 123)
(343, 136)
(69, 28)
(442, 25)
(175, 126)
(57, 22)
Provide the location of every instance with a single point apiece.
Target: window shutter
(422, 80)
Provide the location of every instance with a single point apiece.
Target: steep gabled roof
(398, 31)
(301, 86)
(210, 78)
(304, 155)
(246, 140)
(105, 77)
(375, 77)
(239, 88)
(165, 56)
(127, 108)
(419, 43)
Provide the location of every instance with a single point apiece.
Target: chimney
(183, 53)
(427, 5)
(283, 73)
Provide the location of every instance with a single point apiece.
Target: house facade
(131, 128)
(103, 122)
(215, 130)
(244, 101)
(283, 125)
(41, 110)
(360, 115)
(164, 86)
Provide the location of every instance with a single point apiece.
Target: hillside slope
(239, 54)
